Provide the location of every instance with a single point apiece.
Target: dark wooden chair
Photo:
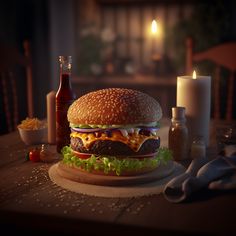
(10, 58)
(223, 55)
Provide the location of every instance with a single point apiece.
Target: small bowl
(30, 137)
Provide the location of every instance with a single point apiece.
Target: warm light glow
(154, 27)
(194, 74)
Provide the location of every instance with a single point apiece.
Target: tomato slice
(141, 156)
(82, 155)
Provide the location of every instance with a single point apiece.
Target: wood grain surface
(31, 203)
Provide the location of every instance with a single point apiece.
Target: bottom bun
(77, 175)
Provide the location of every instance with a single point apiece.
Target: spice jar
(198, 147)
(47, 154)
(178, 134)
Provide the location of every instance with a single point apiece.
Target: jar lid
(65, 59)
(178, 113)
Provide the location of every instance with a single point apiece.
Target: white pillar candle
(51, 117)
(195, 96)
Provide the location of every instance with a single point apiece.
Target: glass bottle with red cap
(64, 98)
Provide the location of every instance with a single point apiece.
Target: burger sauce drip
(64, 98)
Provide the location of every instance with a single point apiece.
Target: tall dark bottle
(64, 98)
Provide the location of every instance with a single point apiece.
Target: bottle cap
(178, 113)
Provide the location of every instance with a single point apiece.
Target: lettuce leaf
(86, 126)
(111, 163)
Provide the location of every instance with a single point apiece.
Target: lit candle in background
(154, 27)
(154, 31)
(194, 75)
(194, 93)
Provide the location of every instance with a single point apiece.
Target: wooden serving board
(77, 175)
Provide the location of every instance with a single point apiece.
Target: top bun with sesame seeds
(114, 106)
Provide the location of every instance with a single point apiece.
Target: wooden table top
(31, 203)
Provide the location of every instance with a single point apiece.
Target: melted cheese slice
(133, 140)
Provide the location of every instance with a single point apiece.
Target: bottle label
(62, 124)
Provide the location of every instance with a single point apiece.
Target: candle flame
(194, 74)
(154, 27)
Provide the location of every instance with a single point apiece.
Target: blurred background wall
(111, 39)
(21, 20)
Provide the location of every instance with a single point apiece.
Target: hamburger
(114, 131)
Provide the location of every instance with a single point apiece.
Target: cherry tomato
(34, 155)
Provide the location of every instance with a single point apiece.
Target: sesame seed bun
(115, 106)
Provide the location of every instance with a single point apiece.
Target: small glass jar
(198, 147)
(178, 134)
(225, 137)
(46, 154)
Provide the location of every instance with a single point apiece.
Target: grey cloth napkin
(219, 173)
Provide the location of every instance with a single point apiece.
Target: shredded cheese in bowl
(32, 124)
